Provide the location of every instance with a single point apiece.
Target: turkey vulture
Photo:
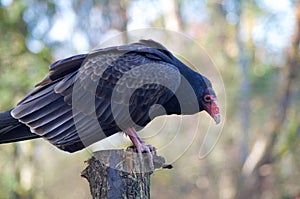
(88, 97)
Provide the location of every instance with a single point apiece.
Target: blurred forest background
(254, 43)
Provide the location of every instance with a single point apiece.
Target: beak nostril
(217, 110)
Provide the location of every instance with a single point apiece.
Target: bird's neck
(181, 106)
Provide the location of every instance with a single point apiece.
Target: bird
(88, 97)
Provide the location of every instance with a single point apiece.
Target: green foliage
(19, 68)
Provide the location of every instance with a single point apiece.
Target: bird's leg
(140, 145)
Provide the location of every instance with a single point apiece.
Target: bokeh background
(253, 43)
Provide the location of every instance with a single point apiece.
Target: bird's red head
(210, 105)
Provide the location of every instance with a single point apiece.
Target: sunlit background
(254, 45)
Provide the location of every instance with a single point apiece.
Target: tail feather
(11, 130)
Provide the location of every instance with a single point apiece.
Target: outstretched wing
(88, 97)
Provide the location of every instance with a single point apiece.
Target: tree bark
(120, 174)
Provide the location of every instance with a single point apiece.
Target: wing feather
(113, 87)
(34, 103)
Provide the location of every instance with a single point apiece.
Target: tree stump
(115, 174)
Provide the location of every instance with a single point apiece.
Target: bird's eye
(207, 98)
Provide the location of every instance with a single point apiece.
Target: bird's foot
(141, 147)
(144, 148)
(148, 150)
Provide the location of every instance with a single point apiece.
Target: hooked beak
(217, 118)
(213, 110)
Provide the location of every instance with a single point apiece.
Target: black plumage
(88, 97)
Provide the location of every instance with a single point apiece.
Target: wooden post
(120, 174)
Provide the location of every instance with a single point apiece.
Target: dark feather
(88, 97)
(11, 130)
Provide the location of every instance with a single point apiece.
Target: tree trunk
(120, 174)
(245, 87)
(262, 157)
(172, 17)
